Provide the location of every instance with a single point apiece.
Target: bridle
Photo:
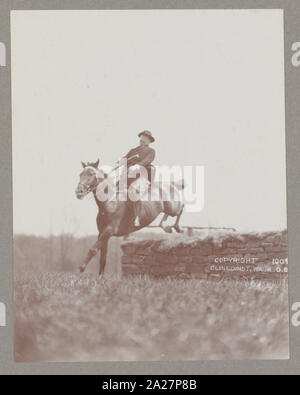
(94, 185)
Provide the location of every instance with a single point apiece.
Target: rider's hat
(147, 134)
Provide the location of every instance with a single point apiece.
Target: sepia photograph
(149, 185)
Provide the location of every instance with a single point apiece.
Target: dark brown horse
(116, 216)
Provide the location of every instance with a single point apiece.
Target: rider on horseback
(142, 155)
(114, 218)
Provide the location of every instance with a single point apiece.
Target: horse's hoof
(178, 229)
(81, 269)
(168, 229)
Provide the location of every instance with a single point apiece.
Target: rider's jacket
(142, 155)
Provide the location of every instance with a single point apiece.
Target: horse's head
(90, 177)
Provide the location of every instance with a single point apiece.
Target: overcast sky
(208, 84)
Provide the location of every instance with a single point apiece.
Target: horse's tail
(180, 184)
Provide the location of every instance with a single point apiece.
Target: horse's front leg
(91, 253)
(103, 255)
(104, 236)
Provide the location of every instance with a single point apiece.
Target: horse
(116, 216)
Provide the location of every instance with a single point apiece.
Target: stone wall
(233, 254)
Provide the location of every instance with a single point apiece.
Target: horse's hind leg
(176, 225)
(167, 229)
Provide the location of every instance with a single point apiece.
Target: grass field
(63, 316)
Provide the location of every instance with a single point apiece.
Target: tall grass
(61, 315)
(70, 317)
